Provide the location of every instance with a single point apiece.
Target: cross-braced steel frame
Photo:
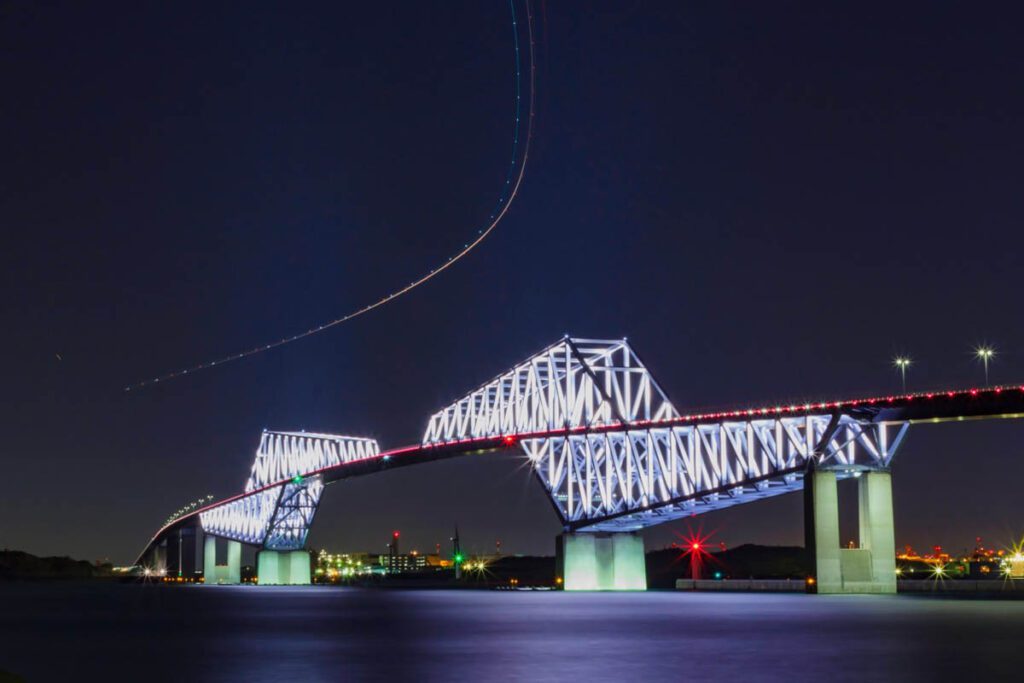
(572, 383)
(283, 490)
(635, 478)
(282, 455)
(618, 473)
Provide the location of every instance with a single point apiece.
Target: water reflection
(127, 632)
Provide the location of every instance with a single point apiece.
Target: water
(61, 632)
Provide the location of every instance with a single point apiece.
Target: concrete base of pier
(601, 562)
(283, 568)
(222, 574)
(871, 568)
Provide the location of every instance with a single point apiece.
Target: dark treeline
(15, 564)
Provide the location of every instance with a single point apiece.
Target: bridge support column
(590, 561)
(221, 574)
(276, 568)
(877, 530)
(821, 529)
(871, 568)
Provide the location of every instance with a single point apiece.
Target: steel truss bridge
(609, 448)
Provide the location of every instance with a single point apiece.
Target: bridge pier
(221, 574)
(601, 561)
(287, 568)
(871, 568)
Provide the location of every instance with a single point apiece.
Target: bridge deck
(921, 407)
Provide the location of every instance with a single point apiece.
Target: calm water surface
(61, 632)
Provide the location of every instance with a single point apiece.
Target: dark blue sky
(768, 199)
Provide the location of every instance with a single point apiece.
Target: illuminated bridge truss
(294, 514)
(283, 455)
(279, 516)
(245, 519)
(627, 480)
(617, 472)
(572, 383)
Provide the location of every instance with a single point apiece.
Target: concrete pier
(871, 568)
(877, 529)
(289, 568)
(221, 574)
(594, 561)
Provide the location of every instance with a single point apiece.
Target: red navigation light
(695, 545)
(509, 440)
(394, 534)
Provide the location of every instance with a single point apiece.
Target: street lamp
(985, 354)
(902, 363)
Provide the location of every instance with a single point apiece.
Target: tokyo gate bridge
(614, 455)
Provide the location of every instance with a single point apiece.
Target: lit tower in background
(393, 553)
(457, 554)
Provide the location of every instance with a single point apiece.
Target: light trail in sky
(513, 180)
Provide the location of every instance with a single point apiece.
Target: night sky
(769, 199)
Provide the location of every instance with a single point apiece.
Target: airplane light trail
(509, 192)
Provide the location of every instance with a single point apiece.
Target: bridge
(615, 457)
